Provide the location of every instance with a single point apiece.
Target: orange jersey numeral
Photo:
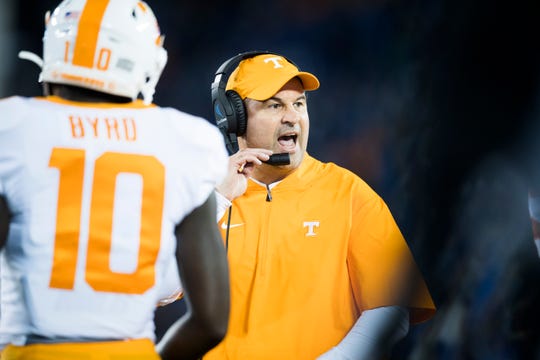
(98, 274)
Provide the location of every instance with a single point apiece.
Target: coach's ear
(5, 217)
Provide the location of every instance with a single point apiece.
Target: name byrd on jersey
(110, 128)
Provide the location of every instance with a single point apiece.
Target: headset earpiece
(229, 111)
(238, 122)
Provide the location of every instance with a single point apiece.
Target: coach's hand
(240, 167)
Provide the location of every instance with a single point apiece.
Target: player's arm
(203, 268)
(4, 221)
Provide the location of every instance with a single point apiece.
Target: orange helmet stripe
(88, 32)
(141, 5)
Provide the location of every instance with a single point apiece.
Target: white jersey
(95, 192)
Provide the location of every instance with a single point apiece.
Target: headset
(229, 110)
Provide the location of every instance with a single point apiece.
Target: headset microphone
(278, 159)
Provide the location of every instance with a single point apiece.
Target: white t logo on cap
(275, 60)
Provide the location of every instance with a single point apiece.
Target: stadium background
(435, 103)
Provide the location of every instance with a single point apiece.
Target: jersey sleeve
(200, 165)
(11, 109)
(202, 153)
(211, 162)
(382, 267)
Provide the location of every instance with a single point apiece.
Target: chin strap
(149, 88)
(148, 91)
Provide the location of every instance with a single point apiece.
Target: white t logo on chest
(311, 225)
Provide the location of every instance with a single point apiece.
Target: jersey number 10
(98, 274)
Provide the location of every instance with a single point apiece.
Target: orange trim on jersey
(137, 104)
(88, 32)
(142, 349)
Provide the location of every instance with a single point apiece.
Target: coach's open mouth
(288, 141)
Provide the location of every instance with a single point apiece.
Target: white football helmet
(112, 46)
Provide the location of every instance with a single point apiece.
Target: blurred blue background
(435, 103)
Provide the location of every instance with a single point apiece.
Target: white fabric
(33, 132)
(374, 334)
(222, 205)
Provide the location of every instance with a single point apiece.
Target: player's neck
(79, 94)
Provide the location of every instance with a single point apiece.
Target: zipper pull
(268, 193)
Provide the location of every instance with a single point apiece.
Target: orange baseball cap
(260, 77)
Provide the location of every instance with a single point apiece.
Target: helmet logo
(72, 15)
